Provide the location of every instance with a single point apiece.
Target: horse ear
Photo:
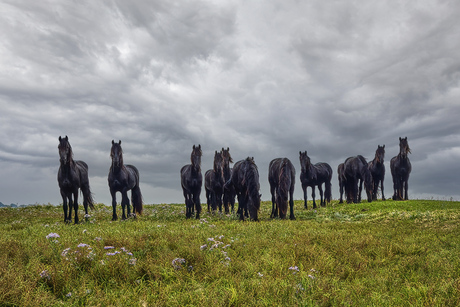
(113, 142)
(199, 146)
(383, 146)
(60, 138)
(215, 152)
(400, 138)
(193, 147)
(67, 138)
(228, 148)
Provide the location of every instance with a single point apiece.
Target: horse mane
(284, 178)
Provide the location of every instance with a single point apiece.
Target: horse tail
(136, 198)
(88, 196)
(285, 178)
(328, 186)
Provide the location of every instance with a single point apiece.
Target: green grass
(370, 254)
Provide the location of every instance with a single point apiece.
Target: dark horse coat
(281, 176)
(400, 170)
(72, 175)
(245, 180)
(191, 182)
(123, 178)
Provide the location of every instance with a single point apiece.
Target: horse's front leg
(196, 200)
(381, 188)
(64, 206)
(313, 196)
(219, 201)
(406, 187)
(114, 205)
(304, 188)
(124, 204)
(75, 205)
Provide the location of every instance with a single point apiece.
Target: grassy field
(370, 254)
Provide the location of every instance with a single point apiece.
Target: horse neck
(116, 169)
(227, 171)
(68, 166)
(309, 170)
(196, 168)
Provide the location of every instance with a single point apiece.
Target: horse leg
(341, 193)
(219, 201)
(320, 189)
(124, 203)
(356, 194)
(114, 205)
(64, 205)
(381, 187)
(313, 196)
(406, 186)
(196, 200)
(291, 203)
(304, 188)
(274, 207)
(208, 199)
(75, 204)
(360, 189)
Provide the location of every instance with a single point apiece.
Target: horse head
(218, 162)
(304, 160)
(404, 147)
(380, 154)
(116, 153)
(195, 157)
(227, 158)
(65, 150)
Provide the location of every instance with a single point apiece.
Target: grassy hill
(383, 253)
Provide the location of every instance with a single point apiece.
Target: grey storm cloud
(267, 79)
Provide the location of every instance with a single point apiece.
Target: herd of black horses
(223, 183)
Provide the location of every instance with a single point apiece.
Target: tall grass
(382, 253)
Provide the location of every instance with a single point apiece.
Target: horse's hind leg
(291, 203)
(274, 207)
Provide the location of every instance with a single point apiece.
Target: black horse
(72, 175)
(245, 180)
(315, 175)
(281, 176)
(357, 171)
(400, 170)
(191, 181)
(214, 184)
(229, 192)
(341, 177)
(377, 169)
(123, 178)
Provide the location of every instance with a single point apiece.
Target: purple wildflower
(53, 235)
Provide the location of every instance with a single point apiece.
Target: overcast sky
(266, 78)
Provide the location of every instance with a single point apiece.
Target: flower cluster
(176, 263)
(215, 244)
(295, 269)
(53, 235)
